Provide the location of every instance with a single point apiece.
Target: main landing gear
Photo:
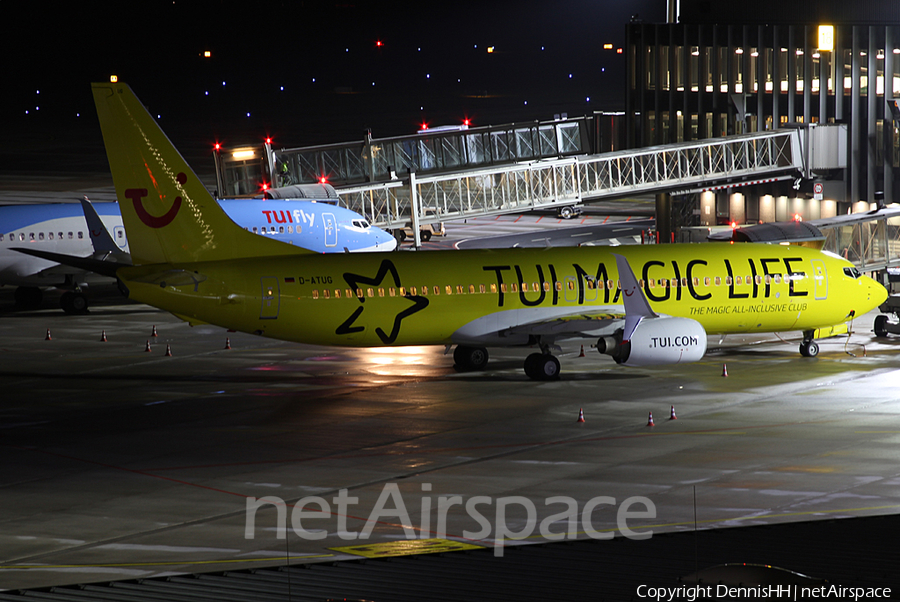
(542, 366)
(538, 366)
(470, 358)
(809, 348)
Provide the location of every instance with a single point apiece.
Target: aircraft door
(820, 277)
(330, 225)
(271, 299)
(120, 237)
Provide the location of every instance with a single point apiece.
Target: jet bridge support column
(664, 216)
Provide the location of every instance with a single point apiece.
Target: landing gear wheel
(809, 349)
(881, 326)
(73, 303)
(541, 366)
(470, 358)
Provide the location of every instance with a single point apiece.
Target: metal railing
(557, 182)
(379, 160)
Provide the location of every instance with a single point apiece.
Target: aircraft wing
(87, 264)
(588, 324)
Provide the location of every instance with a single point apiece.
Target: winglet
(636, 305)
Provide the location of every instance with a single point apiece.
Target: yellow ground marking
(406, 547)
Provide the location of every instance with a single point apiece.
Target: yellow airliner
(641, 304)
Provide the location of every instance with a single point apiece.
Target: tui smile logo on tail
(354, 280)
(137, 194)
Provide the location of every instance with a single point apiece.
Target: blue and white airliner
(62, 228)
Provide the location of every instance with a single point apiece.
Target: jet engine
(655, 341)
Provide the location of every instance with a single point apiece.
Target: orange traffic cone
(672, 415)
(724, 370)
(103, 336)
(147, 348)
(153, 334)
(582, 352)
(48, 337)
(650, 420)
(580, 415)
(168, 350)
(227, 343)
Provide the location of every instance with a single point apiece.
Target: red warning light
(798, 217)
(467, 122)
(268, 140)
(323, 180)
(379, 43)
(733, 225)
(217, 146)
(423, 126)
(265, 186)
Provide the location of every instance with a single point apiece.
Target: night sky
(312, 72)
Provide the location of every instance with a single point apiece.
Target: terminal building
(723, 68)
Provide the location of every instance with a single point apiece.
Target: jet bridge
(553, 183)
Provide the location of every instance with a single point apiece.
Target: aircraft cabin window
(768, 279)
(706, 281)
(1, 237)
(503, 288)
(254, 229)
(481, 288)
(777, 278)
(381, 292)
(728, 280)
(412, 291)
(471, 289)
(370, 292)
(652, 283)
(315, 294)
(31, 236)
(281, 229)
(437, 290)
(326, 293)
(337, 293)
(392, 291)
(449, 290)
(758, 279)
(493, 288)
(718, 280)
(424, 291)
(40, 236)
(359, 293)
(348, 292)
(546, 288)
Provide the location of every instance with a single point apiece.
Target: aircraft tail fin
(168, 214)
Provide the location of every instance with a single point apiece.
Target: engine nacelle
(657, 341)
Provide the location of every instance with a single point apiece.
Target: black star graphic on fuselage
(354, 280)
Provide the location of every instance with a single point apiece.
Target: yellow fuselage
(437, 297)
